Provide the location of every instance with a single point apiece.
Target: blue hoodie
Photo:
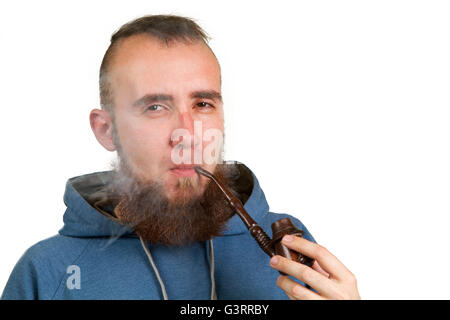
(95, 257)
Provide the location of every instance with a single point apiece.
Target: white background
(341, 108)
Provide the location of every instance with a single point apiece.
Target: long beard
(186, 219)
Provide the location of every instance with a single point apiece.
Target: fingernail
(274, 261)
(288, 238)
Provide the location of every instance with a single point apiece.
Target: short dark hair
(165, 28)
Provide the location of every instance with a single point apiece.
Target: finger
(319, 282)
(316, 266)
(326, 259)
(290, 296)
(296, 291)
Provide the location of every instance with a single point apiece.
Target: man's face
(158, 89)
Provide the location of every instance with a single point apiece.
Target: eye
(154, 108)
(205, 105)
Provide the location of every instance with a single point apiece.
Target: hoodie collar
(81, 218)
(256, 206)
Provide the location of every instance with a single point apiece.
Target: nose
(187, 122)
(193, 129)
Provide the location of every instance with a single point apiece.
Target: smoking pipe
(279, 228)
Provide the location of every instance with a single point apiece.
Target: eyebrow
(159, 97)
(208, 94)
(152, 98)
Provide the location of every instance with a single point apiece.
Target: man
(153, 228)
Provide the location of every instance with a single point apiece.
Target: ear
(102, 126)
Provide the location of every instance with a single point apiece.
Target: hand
(328, 276)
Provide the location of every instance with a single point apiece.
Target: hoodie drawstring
(149, 256)
(211, 264)
(161, 283)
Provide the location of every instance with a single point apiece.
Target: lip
(183, 171)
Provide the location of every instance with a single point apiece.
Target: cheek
(144, 145)
(212, 135)
(213, 140)
(214, 123)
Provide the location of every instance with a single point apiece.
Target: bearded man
(152, 228)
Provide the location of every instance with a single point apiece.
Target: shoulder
(39, 271)
(53, 249)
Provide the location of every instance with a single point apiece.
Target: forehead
(142, 63)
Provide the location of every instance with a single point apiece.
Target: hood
(89, 215)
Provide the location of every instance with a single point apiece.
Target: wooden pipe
(279, 228)
(255, 230)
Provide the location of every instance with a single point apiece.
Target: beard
(187, 218)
